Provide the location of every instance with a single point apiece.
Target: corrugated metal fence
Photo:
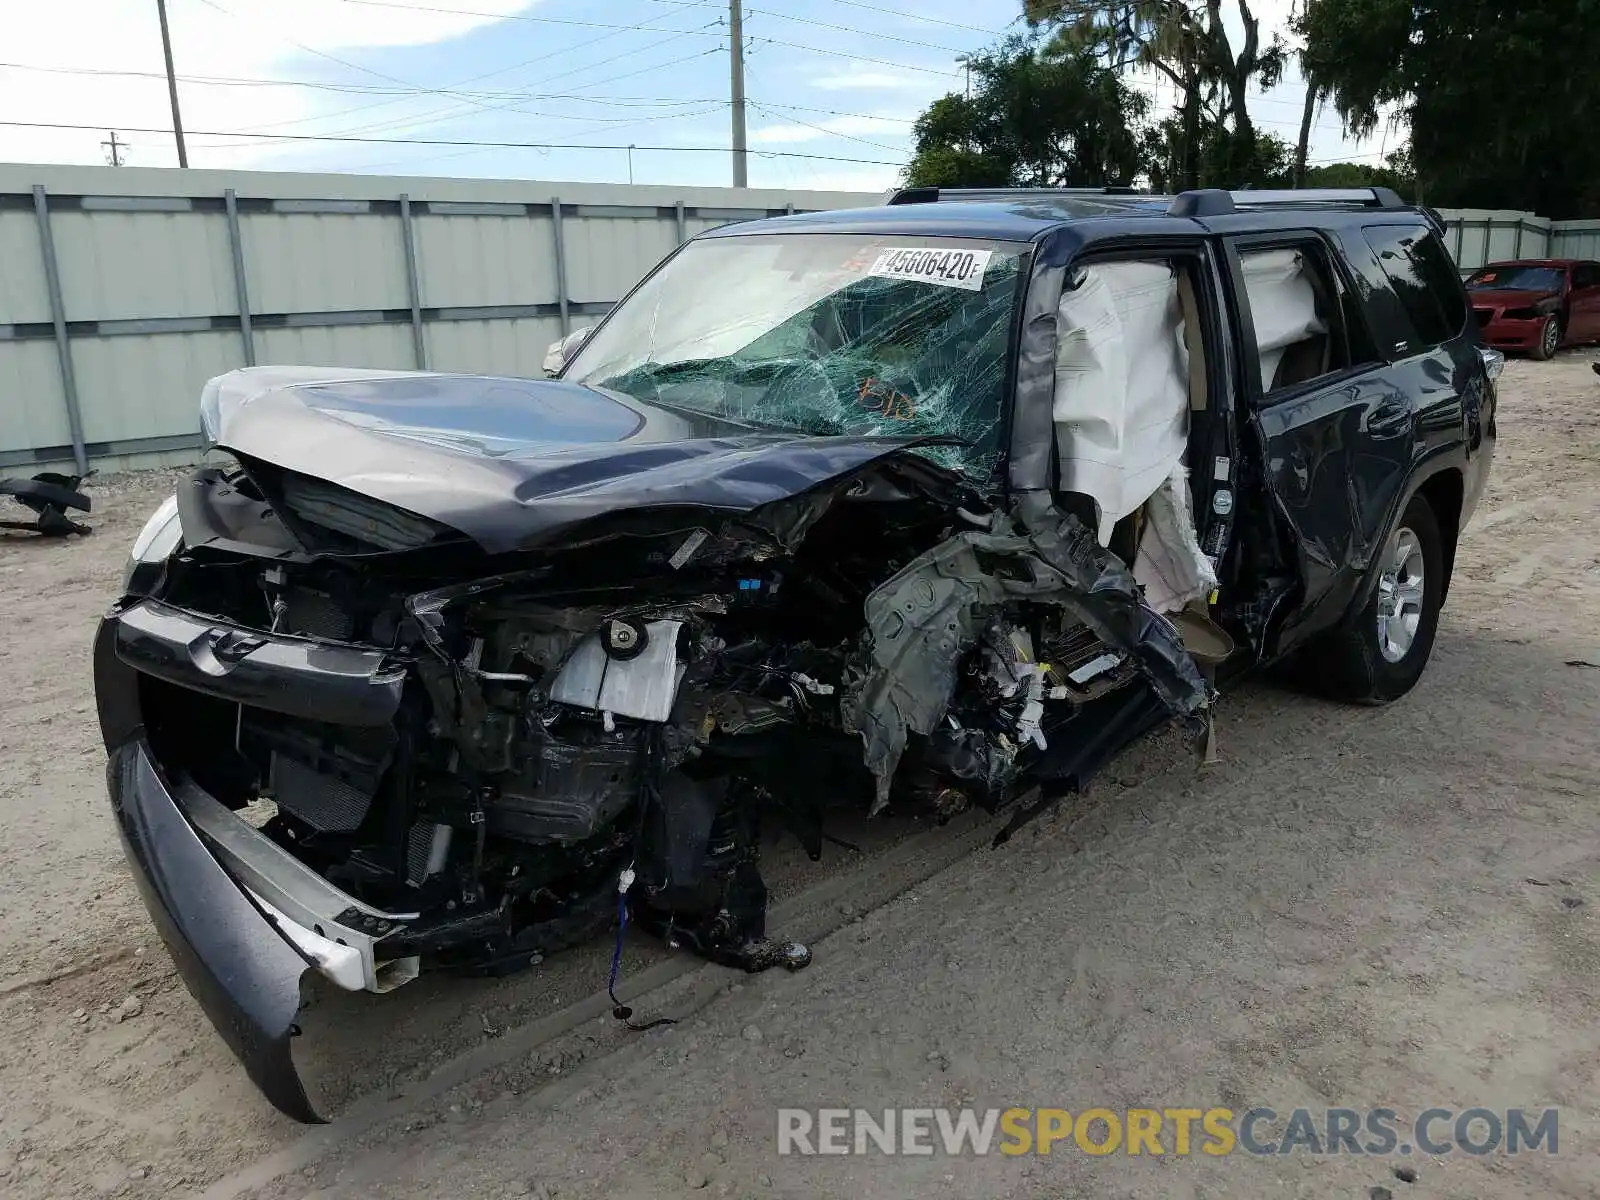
(1479, 236)
(122, 290)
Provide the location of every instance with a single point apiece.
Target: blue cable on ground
(620, 1010)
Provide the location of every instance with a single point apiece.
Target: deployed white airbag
(1283, 305)
(1121, 407)
(1170, 565)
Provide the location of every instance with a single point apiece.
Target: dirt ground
(1391, 907)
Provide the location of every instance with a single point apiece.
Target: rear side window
(1424, 279)
(1303, 317)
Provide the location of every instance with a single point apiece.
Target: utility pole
(630, 165)
(172, 84)
(741, 177)
(114, 149)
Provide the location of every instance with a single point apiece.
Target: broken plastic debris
(812, 686)
(685, 552)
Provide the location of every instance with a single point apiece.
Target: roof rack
(934, 195)
(1214, 202)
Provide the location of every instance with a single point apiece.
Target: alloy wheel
(1400, 596)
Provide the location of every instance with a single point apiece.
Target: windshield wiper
(655, 370)
(683, 410)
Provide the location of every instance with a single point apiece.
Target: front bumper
(244, 921)
(1511, 333)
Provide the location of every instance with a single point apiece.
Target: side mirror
(561, 353)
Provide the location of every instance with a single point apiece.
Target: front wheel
(1380, 653)
(1549, 340)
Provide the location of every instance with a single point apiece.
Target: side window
(1424, 278)
(1586, 275)
(1305, 321)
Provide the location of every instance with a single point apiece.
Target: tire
(1549, 340)
(1368, 661)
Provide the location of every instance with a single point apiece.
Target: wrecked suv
(904, 510)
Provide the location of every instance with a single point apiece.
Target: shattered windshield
(867, 335)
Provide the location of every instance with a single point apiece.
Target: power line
(333, 58)
(467, 12)
(877, 37)
(455, 112)
(539, 58)
(900, 12)
(1350, 157)
(880, 62)
(884, 10)
(706, 3)
(678, 5)
(491, 16)
(612, 127)
(578, 70)
(399, 93)
(823, 128)
(442, 115)
(413, 122)
(365, 89)
(314, 137)
(835, 112)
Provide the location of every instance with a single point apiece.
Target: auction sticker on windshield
(947, 268)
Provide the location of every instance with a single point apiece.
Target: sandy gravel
(1355, 907)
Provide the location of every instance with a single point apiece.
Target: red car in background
(1537, 305)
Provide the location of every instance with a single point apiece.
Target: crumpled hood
(509, 461)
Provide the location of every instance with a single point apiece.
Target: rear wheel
(1380, 653)
(1549, 339)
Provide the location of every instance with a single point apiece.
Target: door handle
(1390, 417)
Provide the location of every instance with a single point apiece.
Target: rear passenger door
(1412, 298)
(1334, 424)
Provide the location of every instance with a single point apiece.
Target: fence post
(408, 238)
(58, 318)
(683, 224)
(241, 281)
(1517, 251)
(561, 266)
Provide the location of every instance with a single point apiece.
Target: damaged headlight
(156, 541)
(1542, 308)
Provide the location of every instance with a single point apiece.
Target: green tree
(1188, 42)
(1162, 35)
(1396, 173)
(1031, 121)
(1316, 95)
(1495, 93)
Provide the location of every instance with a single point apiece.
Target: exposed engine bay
(628, 709)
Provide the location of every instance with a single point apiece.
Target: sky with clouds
(833, 86)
